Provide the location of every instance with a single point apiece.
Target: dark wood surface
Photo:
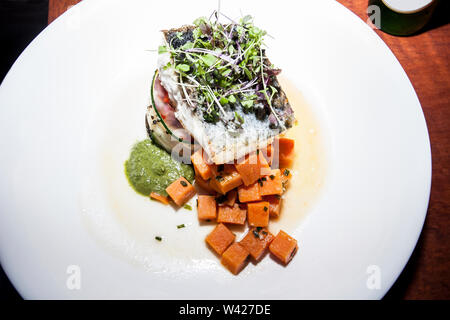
(425, 58)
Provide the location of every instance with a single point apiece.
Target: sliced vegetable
(256, 241)
(201, 166)
(249, 193)
(252, 167)
(180, 191)
(220, 238)
(272, 184)
(231, 215)
(258, 214)
(226, 180)
(235, 258)
(284, 153)
(204, 185)
(161, 122)
(275, 205)
(206, 207)
(160, 198)
(283, 247)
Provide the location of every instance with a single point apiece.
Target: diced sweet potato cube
(249, 193)
(201, 166)
(272, 183)
(235, 258)
(275, 205)
(226, 180)
(220, 238)
(258, 214)
(206, 207)
(283, 152)
(231, 198)
(180, 191)
(232, 215)
(160, 198)
(283, 247)
(252, 167)
(203, 185)
(256, 241)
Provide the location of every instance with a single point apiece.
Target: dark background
(22, 20)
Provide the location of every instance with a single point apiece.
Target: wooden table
(425, 58)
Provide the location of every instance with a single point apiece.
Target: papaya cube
(201, 166)
(283, 247)
(203, 186)
(275, 205)
(249, 193)
(256, 241)
(180, 191)
(286, 152)
(258, 214)
(220, 238)
(226, 180)
(206, 207)
(232, 215)
(272, 183)
(252, 167)
(235, 258)
(231, 198)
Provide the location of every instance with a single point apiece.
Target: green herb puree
(152, 169)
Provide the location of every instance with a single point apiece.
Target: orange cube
(275, 205)
(220, 238)
(160, 198)
(232, 215)
(201, 166)
(258, 214)
(286, 153)
(235, 258)
(203, 186)
(226, 180)
(249, 193)
(230, 198)
(252, 167)
(206, 207)
(283, 247)
(271, 184)
(256, 241)
(180, 191)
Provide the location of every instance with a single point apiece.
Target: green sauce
(151, 169)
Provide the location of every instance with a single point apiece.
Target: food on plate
(218, 84)
(258, 214)
(283, 247)
(235, 258)
(220, 238)
(151, 169)
(232, 214)
(180, 191)
(206, 207)
(256, 241)
(216, 104)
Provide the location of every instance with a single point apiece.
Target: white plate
(62, 100)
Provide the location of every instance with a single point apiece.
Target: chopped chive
(158, 238)
(265, 208)
(180, 226)
(264, 179)
(286, 172)
(187, 207)
(183, 183)
(272, 177)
